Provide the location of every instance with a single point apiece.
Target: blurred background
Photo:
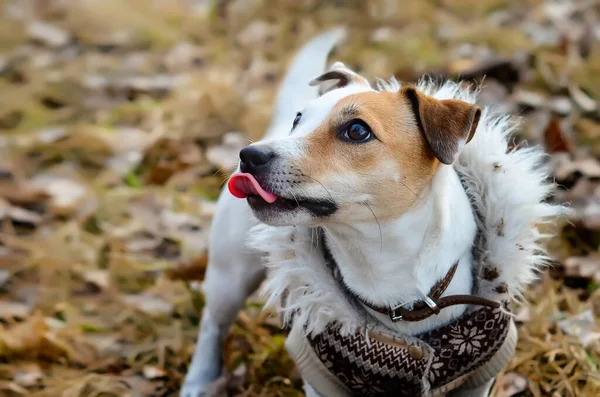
(120, 120)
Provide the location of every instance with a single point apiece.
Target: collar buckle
(395, 316)
(393, 313)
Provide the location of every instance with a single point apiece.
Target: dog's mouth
(244, 185)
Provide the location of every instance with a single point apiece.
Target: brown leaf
(18, 215)
(192, 270)
(555, 140)
(22, 193)
(42, 337)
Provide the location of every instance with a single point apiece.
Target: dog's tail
(309, 62)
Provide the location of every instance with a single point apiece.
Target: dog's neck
(399, 261)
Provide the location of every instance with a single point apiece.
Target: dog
(396, 222)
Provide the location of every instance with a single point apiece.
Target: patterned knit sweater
(467, 352)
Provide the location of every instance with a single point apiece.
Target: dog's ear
(447, 124)
(337, 76)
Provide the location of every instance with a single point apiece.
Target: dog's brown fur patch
(388, 173)
(490, 273)
(399, 163)
(502, 288)
(447, 124)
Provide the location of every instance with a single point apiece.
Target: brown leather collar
(421, 309)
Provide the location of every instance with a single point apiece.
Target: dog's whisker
(319, 182)
(224, 180)
(225, 171)
(409, 189)
(312, 244)
(374, 216)
(312, 231)
(378, 225)
(295, 199)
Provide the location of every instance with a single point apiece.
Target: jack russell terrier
(396, 225)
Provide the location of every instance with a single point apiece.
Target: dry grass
(112, 151)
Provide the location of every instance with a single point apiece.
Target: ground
(119, 121)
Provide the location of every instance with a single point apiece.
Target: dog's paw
(202, 388)
(193, 390)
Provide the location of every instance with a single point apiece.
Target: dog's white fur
(395, 261)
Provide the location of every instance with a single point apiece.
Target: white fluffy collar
(508, 189)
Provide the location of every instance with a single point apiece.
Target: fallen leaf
(48, 34)
(12, 387)
(529, 98)
(19, 215)
(10, 309)
(564, 167)
(149, 303)
(582, 99)
(256, 33)
(28, 375)
(555, 140)
(560, 105)
(523, 315)
(66, 194)
(583, 266)
(183, 56)
(4, 277)
(510, 384)
(151, 372)
(99, 278)
(189, 270)
(583, 326)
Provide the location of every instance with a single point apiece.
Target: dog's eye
(296, 120)
(357, 132)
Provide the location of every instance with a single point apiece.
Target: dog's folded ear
(337, 76)
(447, 124)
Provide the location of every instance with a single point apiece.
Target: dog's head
(352, 153)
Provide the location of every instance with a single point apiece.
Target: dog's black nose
(255, 157)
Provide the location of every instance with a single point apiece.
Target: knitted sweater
(468, 352)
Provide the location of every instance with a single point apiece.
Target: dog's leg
(222, 306)
(234, 272)
(481, 391)
(310, 392)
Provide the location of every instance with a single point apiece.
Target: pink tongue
(242, 185)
